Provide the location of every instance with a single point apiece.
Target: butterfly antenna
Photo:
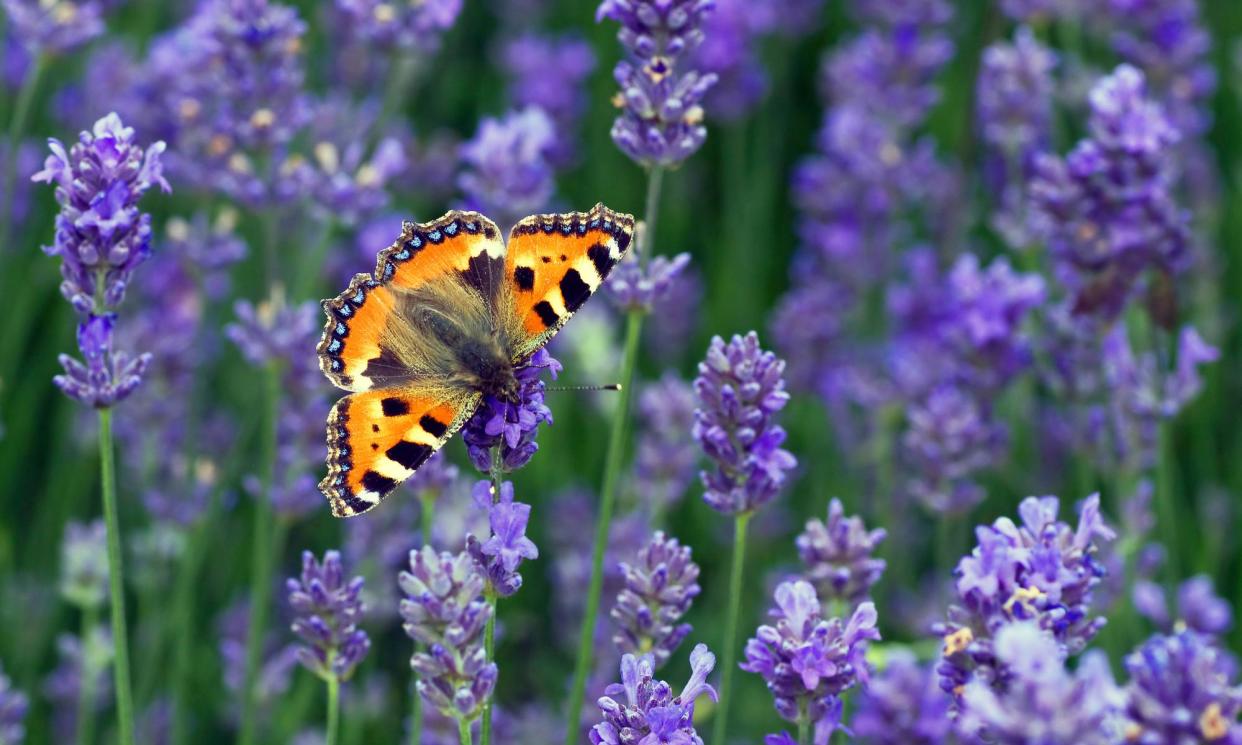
(609, 387)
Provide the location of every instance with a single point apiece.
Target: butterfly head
(500, 382)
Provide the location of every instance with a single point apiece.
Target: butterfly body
(447, 317)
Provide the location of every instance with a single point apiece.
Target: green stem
(17, 128)
(86, 687)
(262, 558)
(612, 474)
(116, 583)
(427, 519)
(729, 646)
(489, 630)
(332, 736)
(804, 724)
(1166, 503)
(463, 732)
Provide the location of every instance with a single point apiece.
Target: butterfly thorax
(486, 362)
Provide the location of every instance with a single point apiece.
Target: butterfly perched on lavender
(446, 317)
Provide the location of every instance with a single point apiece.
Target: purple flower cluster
(740, 390)
(665, 460)
(13, 705)
(1181, 690)
(661, 120)
(498, 557)
(347, 179)
(729, 51)
(902, 705)
(1044, 703)
(1042, 571)
(101, 237)
(54, 27)
(806, 660)
(1199, 608)
(444, 609)
(328, 609)
(951, 435)
(512, 425)
(660, 587)
(1015, 95)
(635, 287)
(507, 174)
(82, 669)
(839, 555)
(1106, 209)
(548, 73)
(408, 26)
(650, 714)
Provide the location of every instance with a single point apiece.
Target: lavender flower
(659, 589)
(1199, 608)
(806, 660)
(661, 120)
(838, 555)
(664, 459)
(498, 557)
(328, 610)
(26, 160)
(444, 609)
(728, 51)
(13, 705)
(84, 564)
(634, 287)
(1042, 571)
(512, 425)
(409, 26)
(55, 26)
(891, 73)
(549, 73)
(902, 705)
(650, 714)
(277, 660)
(1106, 209)
(951, 436)
(740, 390)
(84, 662)
(108, 377)
(1044, 703)
(1181, 691)
(348, 179)
(507, 174)
(1015, 95)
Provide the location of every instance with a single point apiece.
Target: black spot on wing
(524, 276)
(394, 406)
(601, 257)
(356, 506)
(546, 314)
(433, 426)
(409, 454)
(372, 481)
(574, 290)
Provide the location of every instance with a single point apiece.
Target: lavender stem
(116, 583)
(86, 689)
(489, 631)
(612, 474)
(729, 651)
(332, 735)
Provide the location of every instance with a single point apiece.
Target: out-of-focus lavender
(902, 705)
(407, 26)
(548, 73)
(327, 609)
(1199, 608)
(347, 177)
(806, 660)
(445, 610)
(649, 712)
(1182, 689)
(665, 460)
(497, 556)
(511, 426)
(1043, 570)
(55, 26)
(277, 660)
(26, 161)
(1043, 701)
(506, 172)
(84, 565)
(633, 286)
(82, 661)
(660, 586)
(740, 390)
(731, 36)
(661, 119)
(838, 556)
(13, 706)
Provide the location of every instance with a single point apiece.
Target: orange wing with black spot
(379, 438)
(554, 263)
(463, 247)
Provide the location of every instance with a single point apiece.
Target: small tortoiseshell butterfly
(448, 314)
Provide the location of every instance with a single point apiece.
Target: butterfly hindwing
(378, 438)
(554, 263)
(462, 247)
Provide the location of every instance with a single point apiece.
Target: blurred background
(870, 199)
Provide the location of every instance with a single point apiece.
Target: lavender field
(901, 411)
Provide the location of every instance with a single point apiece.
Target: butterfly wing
(379, 438)
(407, 398)
(361, 344)
(553, 265)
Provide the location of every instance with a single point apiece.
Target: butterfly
(448, 314)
